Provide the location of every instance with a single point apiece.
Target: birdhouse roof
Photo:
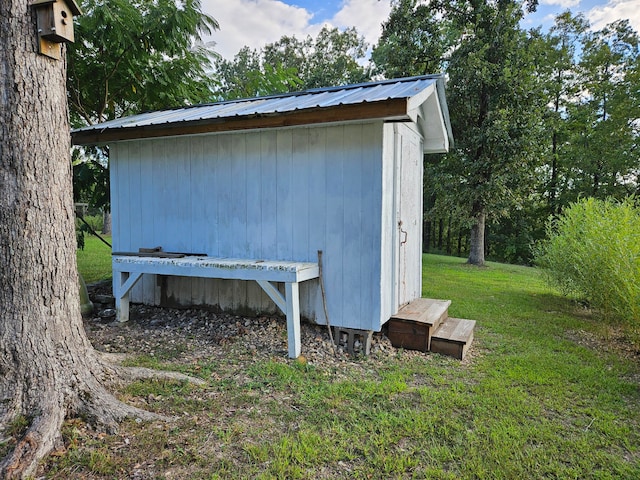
(73, 6)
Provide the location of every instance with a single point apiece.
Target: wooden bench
(128, 269)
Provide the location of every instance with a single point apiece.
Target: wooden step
(414, 324)
(453, 337)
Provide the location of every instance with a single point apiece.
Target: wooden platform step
(453, 337)
(413, 326)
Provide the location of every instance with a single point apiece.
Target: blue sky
(258, 22)
(322, 11)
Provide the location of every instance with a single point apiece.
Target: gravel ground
(187, 335)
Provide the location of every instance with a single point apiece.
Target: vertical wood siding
(275, 194)
(388, 234)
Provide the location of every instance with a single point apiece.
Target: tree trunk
(553, 184)
(434, 238)
(476, 248)
(426, 235)
(106, 222)
(49, 369)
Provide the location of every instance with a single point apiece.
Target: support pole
(324, 301)
(293, 319)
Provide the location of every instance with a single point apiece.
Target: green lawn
(94, 261)
(551, 396)
(545, 393)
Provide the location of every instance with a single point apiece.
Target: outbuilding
(253, 189)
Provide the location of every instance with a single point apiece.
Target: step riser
(410, 336)
(454, 337)
(453, 349)
(425, 325)
(413, 326)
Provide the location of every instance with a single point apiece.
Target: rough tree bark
(48, 368)
(476, 248)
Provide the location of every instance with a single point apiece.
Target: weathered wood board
(454, 337)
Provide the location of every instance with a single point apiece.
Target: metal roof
(309, 100)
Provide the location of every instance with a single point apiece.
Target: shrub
(94, 221)
(593, 252)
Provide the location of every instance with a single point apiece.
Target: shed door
(408, 216)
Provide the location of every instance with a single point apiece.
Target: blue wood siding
(279, 194)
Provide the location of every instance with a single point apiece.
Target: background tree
(554, 56)
(49, 369)
(247, 76)
(590, 144)
(493, 99)
(602, 120)
(493, 92)
(415, 40)
(557, 66)
(138, 55)
(332, 58)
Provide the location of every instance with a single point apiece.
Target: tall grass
(593, 252)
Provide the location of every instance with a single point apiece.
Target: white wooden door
(408, 216)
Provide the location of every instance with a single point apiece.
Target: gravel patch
(190, 335)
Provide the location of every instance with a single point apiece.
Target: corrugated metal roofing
(276, 104)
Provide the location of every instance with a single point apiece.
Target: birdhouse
(55, 24)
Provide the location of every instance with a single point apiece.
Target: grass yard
(94, 261)
(546, 392)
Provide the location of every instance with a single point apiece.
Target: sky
(256, 23)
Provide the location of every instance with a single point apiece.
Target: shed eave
(429, 111)
(433, 126)
(391, 109)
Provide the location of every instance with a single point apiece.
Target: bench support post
(293, 319)
(123, 283)
(289, 304)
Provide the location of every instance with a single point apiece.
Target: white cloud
(253, 23)
(366, 15)
(257, 22)
(561, 3)
(615, 10)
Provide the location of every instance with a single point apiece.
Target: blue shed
(259, 186)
